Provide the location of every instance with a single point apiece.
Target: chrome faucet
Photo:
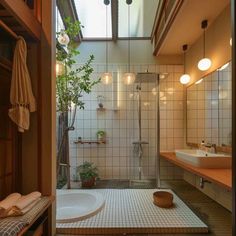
(208, 147)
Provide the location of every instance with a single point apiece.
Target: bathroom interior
(117, 117)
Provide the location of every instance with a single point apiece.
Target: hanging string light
(106, 76)
(204, 63)
(185, 78)
(129, 77)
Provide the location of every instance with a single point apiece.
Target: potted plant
(88, 174)
(101, 135)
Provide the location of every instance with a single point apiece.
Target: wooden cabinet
(9, 138)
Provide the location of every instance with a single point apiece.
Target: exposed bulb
(185, 79)
(63, 39)
(106, 78)
(204, 64)
(129, 78)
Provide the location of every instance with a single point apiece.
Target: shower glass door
(144, 163)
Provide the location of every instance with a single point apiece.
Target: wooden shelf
(101, 109)
(90, 142)
(222, 177)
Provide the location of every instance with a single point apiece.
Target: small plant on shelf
(101, 135)
(88, 173)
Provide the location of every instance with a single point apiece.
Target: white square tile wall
(171, 119)
(115, 159)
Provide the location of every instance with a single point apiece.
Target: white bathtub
(76, 205)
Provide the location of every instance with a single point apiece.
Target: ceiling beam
(160, 31)
(114, 19)
(23, 14)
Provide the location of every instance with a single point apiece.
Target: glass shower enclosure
(144, 156)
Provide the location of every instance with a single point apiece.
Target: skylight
(92, 15)
(142, 14)
(59, 23)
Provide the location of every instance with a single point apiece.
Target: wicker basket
(163, 199)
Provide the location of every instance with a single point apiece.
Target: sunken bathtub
(76, 205)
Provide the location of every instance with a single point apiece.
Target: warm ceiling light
(185, 78)
(205, 63)
(199, 81)
(106, 77)
(128, 78)
(230, 42)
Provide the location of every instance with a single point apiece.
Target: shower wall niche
(118, 117)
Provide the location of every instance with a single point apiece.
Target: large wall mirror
(209, 108)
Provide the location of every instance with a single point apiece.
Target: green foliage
(87, 171)
(71, 84)
(61, 182)
(100, 133)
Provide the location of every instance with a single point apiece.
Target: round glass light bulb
(60, 68)
(129, 78)
(63, 39)
(204, 64)
(106, 78)
(185, 79)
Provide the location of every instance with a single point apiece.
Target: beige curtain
(21, 95)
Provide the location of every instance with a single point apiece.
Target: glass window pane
(142, 15)
(92, 15)
(59, 23)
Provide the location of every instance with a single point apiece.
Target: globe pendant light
(205, 63)
(185, 78)
(106, 77)
(63, 38)
(128, 77)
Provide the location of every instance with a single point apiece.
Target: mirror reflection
(209, 106)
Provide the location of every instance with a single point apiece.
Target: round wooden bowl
(163, 199)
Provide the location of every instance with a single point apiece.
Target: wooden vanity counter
(222, 177)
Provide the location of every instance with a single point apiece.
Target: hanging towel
(21, 95)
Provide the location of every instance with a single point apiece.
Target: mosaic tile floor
(132, 211)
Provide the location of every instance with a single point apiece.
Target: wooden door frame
(233, 16)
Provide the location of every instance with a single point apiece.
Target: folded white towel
(8, 202)
(14, 211)
(15, 204)
(26, 200)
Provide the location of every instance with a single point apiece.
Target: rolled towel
(26, 200)
(8, 202)
(15, 211)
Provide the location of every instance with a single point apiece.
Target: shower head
(146, 77)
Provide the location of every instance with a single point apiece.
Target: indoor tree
(71, 82)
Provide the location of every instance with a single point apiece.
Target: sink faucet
(208, 147)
